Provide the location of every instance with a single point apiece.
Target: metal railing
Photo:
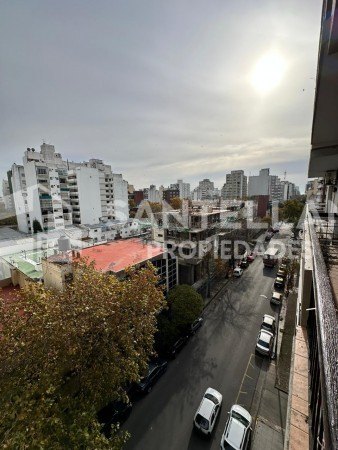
(323, 347)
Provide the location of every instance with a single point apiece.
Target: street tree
(36, 226)
(292, 210)
(185, 305)
(176, 203)
(64, 355)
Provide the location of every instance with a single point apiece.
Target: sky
(182, 89)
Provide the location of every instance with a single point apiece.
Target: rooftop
(118, 255)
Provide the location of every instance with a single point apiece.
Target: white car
(238, 271)
(237, 430)
(276, 298)
(268, 323)
(208, 411)
(264, 344)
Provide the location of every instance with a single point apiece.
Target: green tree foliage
(64, 355)
(292, 210)
(9, 221)
(185, 305)
(36, 226)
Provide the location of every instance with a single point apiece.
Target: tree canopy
(292, 210)
(36, 226)
(176, 203)
(185, 304)
(64, 355)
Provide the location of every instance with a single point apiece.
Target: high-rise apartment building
(152, 194)
(275, 188)
(184, 189)
(236, 186)
(205, 190)
(259, 184)
(7, 195)
(58, 193)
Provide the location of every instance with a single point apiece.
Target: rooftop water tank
(64, 244)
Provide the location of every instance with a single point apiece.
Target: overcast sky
(161, 90)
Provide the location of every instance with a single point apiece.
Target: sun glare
(268, 72)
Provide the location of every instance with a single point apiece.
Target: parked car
(177, 346)
(279, 283)
(281, 273)
(251, 257)
(208, 410)
(196, 325)
(112, 414)
(276, 298)
(268, 323)
(238, 271)
(264, 344)
(237, 431)
(156, 369)
(244, 263)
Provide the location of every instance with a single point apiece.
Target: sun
(268, 72)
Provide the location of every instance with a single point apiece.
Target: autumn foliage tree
(176, 203)
(64, 355)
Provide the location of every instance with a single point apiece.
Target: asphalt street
(221, 355)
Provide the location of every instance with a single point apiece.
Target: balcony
(319, 294)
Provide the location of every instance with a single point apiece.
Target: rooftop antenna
(284, 175)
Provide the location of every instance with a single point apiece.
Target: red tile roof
(118, 255)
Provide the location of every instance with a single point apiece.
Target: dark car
(196, 325)
(177, 346)
(155, 370)
(112, 414)
(244, 263)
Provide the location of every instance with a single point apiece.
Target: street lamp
(274, 355)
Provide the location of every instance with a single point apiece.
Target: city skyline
(162, 92)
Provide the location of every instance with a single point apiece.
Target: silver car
(237, 430)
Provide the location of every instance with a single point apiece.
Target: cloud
(158, 90)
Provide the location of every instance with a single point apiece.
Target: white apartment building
(7, 196)
(152, 194)
(236, 185)
(275, 188)
(205, 191)
(58, 193)
(184, 188)
(259, 184)
(289, 190)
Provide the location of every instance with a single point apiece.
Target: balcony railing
(323, 334)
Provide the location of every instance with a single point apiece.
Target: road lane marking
(243, 378)
(246, 375)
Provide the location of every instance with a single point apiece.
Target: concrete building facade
(58, 193)
(236, 186)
